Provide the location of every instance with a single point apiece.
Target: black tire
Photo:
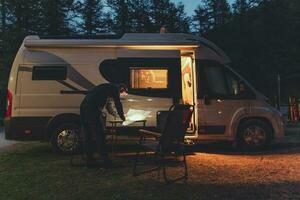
(254, 134)
(65, 138)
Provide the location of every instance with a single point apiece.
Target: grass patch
(35, 172)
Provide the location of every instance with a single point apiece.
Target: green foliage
(212, 14)
(148, 16)
(263, 42)
(121, 15)
(56, 17)
(92, 15)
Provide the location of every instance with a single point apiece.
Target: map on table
(134, 115)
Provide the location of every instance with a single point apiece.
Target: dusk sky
(191, 5)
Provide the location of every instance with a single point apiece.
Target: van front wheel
(254, 134)
(65, 138)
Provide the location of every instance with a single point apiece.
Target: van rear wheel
(254, 134)
(65, 138)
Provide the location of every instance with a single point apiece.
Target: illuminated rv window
(149, 78)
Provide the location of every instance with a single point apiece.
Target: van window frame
(61, 77)
(171, 64)
(203, 88)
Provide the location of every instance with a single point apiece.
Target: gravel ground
(220, 172)
(271, 174)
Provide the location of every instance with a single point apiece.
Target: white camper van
(50, 77)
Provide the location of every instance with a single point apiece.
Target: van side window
(148, 78)
(235, 86)
(151, 77)
(49, 73)
(216, 80)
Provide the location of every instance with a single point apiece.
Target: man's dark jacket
(97, 98)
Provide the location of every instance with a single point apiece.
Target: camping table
(114, 125)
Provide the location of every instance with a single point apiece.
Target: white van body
(49, 78)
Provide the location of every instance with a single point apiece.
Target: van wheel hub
(255, 136)
(67, 140)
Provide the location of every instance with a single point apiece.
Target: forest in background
(260, 36)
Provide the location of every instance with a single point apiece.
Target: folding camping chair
(168, 142)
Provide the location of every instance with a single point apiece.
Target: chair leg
(158, 163)
(185, 166)
(136, 162)
(169, 181)
(163, 161)
(136, 173)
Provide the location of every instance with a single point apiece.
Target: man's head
(123, 90)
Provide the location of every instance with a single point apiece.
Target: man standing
(92, 121)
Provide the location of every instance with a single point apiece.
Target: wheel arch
(261, 118)
(60, 119)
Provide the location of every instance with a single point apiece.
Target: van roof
(176, 39)
(128, 39)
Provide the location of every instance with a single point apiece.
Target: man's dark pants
(93, 130)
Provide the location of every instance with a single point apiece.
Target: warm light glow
(132, 100)
(187, 80)
(159, 47)
(149, 78)
(135, 115)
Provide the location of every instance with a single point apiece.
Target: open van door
(188, 81)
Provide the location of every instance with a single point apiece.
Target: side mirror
(206, 100)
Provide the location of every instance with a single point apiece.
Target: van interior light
(131, 100)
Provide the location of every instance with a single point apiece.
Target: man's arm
(118, 104)
(110, 109)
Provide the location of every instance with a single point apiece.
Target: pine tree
(159, 11)
(92, 15)
(182, 21)
(3, 16)
(201, 20)
(25, 16)
(219, 12)
(172, 16)
(56, 16)
(241, 7)
(141, 21)
(121, 15)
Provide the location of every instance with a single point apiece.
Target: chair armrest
(149, 133)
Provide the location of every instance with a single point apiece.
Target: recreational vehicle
(50, 77)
